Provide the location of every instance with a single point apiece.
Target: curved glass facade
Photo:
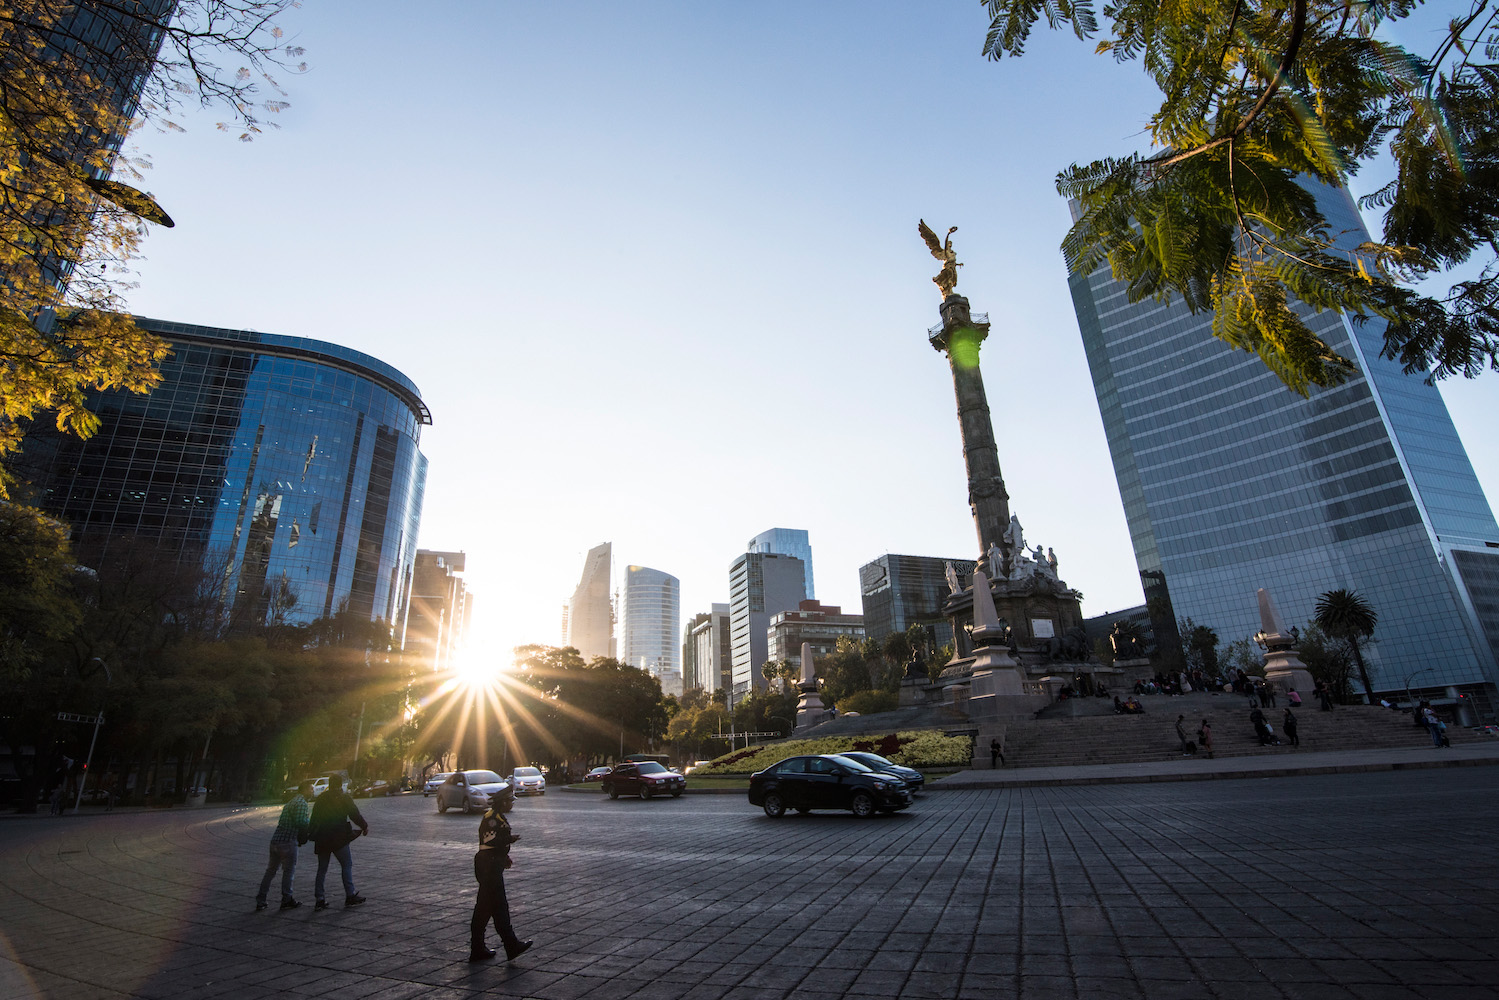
(287, 465)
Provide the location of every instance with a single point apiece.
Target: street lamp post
(1408, 678)
(98, 721)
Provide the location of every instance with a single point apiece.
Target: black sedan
(827, 781)
(913, 778)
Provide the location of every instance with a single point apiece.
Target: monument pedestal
(1284, 669)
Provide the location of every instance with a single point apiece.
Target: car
(913, 778)
(370, 789)
(643, 778)
(319, 786)
(597, 774)
(431, 784)
(469, 790)
(528, 781)
(695, 765)
(826, 781)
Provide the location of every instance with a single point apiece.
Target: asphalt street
(1369, 886)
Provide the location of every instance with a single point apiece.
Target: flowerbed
(913, 748)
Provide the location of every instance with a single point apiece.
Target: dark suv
(827, 781)
(644, 778)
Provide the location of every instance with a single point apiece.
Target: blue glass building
(288, 465)
(787, 542)
(1232, 482)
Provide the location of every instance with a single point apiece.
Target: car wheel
(775, 806)
(676, 793)
(645, 791)
(613, 792)
(468, 806)
(862, 805)
(442, 806)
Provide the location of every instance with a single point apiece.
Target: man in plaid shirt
(291, 833)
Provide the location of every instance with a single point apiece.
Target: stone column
(959, 337)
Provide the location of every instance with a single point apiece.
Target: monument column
(959, 337)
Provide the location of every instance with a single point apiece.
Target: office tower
(590, 613)
(1231, 482)
(712, 653)
(689, 650)
(900, 591)
(650, 613)
(287, 468)
(819, 624)
(760, 584)
(786, 542)
(438, 617)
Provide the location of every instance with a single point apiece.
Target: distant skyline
(655, 270)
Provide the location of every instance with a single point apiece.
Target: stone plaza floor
(1377, 886)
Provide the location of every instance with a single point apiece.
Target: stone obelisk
(809, 707)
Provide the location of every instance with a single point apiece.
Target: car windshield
(482, 777)
(872, 759)
(857, 765)
(527, 772)
(651, 767)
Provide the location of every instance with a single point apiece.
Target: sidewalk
(1292, 762)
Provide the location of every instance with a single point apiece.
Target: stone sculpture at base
(1283, 668)
(809, 707)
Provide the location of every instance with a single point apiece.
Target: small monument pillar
(996, 673)
(1283, 668)
(809, 707)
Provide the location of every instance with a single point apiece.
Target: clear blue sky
(655, 269)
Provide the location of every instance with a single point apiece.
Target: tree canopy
(75, 77)
(1257, 94)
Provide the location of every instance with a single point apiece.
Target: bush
(869, 702)
(913, 748)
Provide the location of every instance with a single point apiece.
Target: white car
(528, 781)
(469, 790)
(434, 781)
(319, 786)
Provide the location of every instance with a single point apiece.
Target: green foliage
(578, 709)
(869, 702)
(1328, 660)
(1199, 646)
(1345, 615)
(914, 748)
(37, 603)
(1258, 93)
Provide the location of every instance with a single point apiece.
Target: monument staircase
(1125, 739)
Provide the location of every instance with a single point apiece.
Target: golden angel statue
(947, 278)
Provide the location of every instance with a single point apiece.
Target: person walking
(1434, 726)
(1261, 731)
(331, 836)
(1205, 736)
(1288, 723)
(290, 834)
(1324, 696)
(1186, 746)
(490, 862)
(996, 754)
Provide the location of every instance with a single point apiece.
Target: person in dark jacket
(1289, 725)
(331, 835)
(490, 862)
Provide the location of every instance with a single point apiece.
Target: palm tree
(1345, 615)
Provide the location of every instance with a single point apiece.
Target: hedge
(913, 748)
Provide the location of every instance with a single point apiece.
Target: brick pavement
(1365, 885)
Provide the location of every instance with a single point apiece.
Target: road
(1370, 886)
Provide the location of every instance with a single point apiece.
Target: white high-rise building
(650, 614)
(590, 614)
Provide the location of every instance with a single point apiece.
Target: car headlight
(880, 785)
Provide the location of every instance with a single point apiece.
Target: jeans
(283, 856)
(345, 867)
(1436, 735)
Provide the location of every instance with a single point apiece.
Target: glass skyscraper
(590, 612)
(760, 584)
(650, 614)
(787, 542)
(288, 468)
(1232, 482)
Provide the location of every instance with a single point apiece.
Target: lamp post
(98, 721)
(1410, 677)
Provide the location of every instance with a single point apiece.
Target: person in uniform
(490, 862)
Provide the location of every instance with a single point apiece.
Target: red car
(646, 778)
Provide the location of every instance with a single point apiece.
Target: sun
(473, 672)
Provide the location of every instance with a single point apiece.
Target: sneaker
(518, 950)
(354, 900)
(289, 904)
(322, 904)
(260, 904)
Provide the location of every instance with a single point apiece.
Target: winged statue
(947, 278)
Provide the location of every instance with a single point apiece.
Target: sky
(655, 269)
